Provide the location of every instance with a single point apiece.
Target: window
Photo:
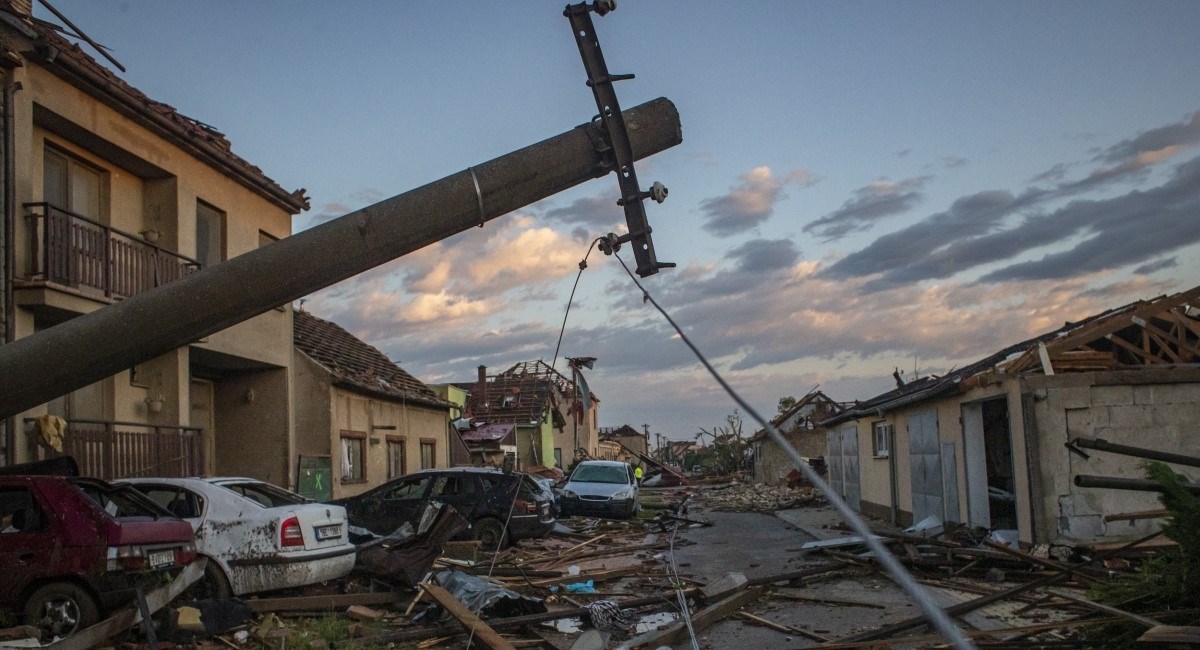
(453, 486)
(210, 234)
(266, 495)
(71, 184)
(428, 453)
(396, 459)
(354, 448)
(410, 490)
(177, 501)
(558, 457)
(19, 512)
(882, 440)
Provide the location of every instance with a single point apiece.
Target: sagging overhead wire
(933, 613)
(582, 266)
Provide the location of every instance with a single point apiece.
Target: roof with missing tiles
(356, 365)
(68, 61)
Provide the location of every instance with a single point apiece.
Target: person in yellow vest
(637, 474)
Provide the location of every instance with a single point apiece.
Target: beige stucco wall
(166, 203)
(876, 471)
(252, 430)
(381, 420)
(1155, 409)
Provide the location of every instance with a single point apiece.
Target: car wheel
(212, 584)
(492, 533)
(60, 609)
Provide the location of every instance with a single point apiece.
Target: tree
(728, 450)
(786, 403)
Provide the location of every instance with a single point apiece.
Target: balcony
(71, 250)
(112, 450)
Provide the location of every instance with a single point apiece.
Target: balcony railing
(74, 251)
(112, 450)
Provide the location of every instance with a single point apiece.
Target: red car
(72, 549)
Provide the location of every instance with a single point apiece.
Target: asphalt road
(756, 545)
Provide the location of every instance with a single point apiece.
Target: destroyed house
(536, 410)
(113, 194)
(800, 426)
(630, 444)
(1002, 442)
(361, 420)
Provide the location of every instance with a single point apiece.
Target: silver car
(600, 488)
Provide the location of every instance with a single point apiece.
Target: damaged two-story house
(109, 194)
(1004, 442)
(533, 411)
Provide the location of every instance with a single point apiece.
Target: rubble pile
(744, 497)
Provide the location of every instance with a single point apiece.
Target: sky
(861, 187)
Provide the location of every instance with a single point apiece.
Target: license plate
(161, 558)
(328, 532)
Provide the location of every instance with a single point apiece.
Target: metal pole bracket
(616, 136)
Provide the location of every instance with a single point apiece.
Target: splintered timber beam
(89, 348)
(469, 620)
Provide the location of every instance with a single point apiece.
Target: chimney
(482, 400)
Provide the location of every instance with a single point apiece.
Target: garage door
(842, 453)
(925, 459)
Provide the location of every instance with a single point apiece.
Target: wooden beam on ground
(1134, 516)
(127, 618)
(469, 620)
(780, 627)
(678, 632)
(1171, 636)
(1107, 609)
(320, 603)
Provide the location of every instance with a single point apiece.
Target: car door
(459, 490)
(388, 508)
(27, 541)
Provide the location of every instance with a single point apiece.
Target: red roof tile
(357, 365)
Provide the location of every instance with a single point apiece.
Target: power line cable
(582, 266)
(933, 613)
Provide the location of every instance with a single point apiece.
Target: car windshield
(600, 474)
(120, 501)
(265, 494)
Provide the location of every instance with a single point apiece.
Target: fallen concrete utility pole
(89, 348)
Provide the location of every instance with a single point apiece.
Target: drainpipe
(10, 218)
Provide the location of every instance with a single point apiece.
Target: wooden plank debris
(469, 620)
(322, 603)
(1171, 636)
(1107, 609)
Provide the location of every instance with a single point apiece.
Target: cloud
(328, 212)
(1178, 135)
(601, 213)
(1055, 174)
(1128, 229)
(997, 226)
(952, 162)
(751, 202)
(903, 153)
(894, 253)
(869, 205)
(763, 255)
(1155, 266)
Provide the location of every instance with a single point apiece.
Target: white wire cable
(936, 616)
(679, 595)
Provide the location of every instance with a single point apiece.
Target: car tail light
(290, 534)
(522, 504)
(185, 555)
(126, 558)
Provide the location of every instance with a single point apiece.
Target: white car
(258, 537)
